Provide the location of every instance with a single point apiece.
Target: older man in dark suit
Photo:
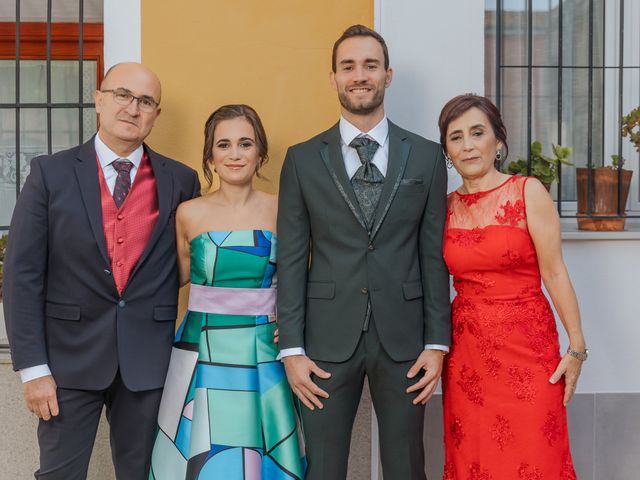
(363, 289)
(91, 283)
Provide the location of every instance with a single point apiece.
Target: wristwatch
(582, 356)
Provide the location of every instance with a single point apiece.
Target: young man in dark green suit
(362, 286)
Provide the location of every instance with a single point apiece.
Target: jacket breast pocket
(324, 290)
(411, 185)
(62, 312)
(165, 313)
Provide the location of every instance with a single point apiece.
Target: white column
(436, 50)
(122, 41)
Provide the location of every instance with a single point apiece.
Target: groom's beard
(361, 107)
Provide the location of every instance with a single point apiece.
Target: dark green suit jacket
(329, 265)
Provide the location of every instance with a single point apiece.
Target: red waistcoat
(127, 229)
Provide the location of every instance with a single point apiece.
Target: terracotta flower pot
(604, 183)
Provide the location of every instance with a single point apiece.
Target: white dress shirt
(106, 157)
(379, 133)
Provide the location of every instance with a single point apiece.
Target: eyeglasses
(124, 97)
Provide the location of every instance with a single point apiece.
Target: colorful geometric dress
(227, 411)
(503, 420)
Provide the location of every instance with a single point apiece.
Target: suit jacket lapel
(398, 154)
(332, 157)
(88, 180)
(164, 189)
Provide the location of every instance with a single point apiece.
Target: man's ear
(332, 80)
(97, 99)
(387, 81)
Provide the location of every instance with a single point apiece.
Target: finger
(557, 375)
(311, 397)
(303, 399)
(568, 394)
(315, 389)
(428, 377)
(320, 372)
(53, 406)
(43, 409)
(426, 393)
(419, 385)
(413, 371)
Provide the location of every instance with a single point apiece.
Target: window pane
(33, 81)
(575, 32)
(7, 164)
(90, 123)
(64, 128)
(7, 81)
(64, 81)
(490, 32)
(514, 110)
(89, 80)
(8, 11)
(33, 137)
(514, 33)
(575, 126)
(545, 33)
(544, 115)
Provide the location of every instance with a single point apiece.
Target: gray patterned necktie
(368, 181)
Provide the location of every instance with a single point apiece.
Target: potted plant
(3, 249)
(543, 168)
(605, 185)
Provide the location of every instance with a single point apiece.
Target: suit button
(107, 272)
(371, 248)
(119, 264)
(121, 240)
(121, 303)
(364, 290)
(120, 216)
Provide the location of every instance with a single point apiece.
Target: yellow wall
(274, 55)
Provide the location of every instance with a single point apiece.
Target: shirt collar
(106, 156)
(379, 133)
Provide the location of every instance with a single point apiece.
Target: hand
(40, 397)
(276, 336)
(299, 369)
(569, 367)
(431, 362)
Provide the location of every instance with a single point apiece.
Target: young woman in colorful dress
(505, 383)
(227, 409)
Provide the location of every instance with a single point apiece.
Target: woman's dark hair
(461, 104)
(229, 112)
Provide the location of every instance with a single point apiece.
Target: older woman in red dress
(506, 385)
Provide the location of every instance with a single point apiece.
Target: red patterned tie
(123, 182)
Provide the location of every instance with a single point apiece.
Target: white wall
(605, 276)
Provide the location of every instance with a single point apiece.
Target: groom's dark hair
(360, 31)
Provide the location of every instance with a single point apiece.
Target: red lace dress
(503, 420)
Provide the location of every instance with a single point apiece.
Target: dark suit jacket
(61, 304)
(329, 264)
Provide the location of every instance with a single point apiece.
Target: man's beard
(364, 108)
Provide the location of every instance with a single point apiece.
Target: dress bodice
(487, 247)
(236, 259)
